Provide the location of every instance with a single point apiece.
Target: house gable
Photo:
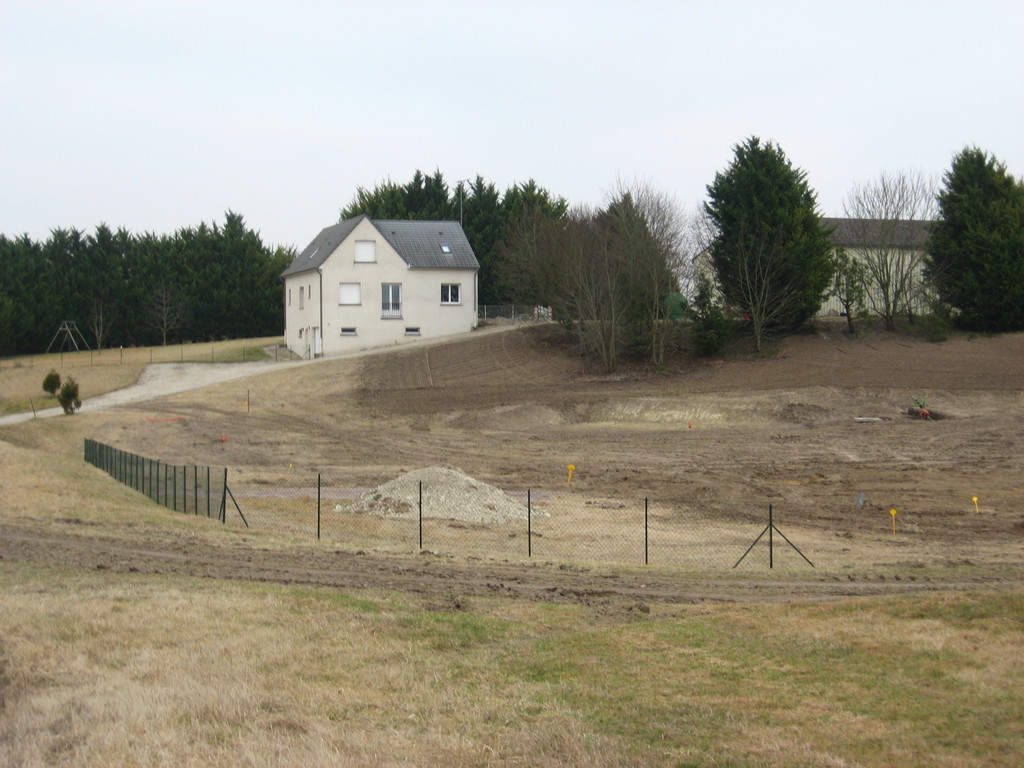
(365, 282)
(317, 252)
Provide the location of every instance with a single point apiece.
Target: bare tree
(649, 240)
(583, 281)
(762, 283)
(166, 312)
(606, 274)
(99, 322)
(887, 230)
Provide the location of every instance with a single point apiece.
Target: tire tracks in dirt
(426, 575)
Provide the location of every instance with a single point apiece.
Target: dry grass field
(101, 371)
(130, 635)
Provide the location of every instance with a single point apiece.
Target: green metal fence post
(646, 561)
(529, 525)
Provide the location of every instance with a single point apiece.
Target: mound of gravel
(447, 493)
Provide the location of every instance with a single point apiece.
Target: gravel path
(162, 379)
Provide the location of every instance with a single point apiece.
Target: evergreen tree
(976, 248)
(483, 221)
(487, 217)
(770, 252)
(428, 198)
(385, 201)
(106, 255)
(527, 209)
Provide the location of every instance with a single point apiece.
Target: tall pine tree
(976, 248)
(770, 253)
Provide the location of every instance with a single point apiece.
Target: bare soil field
(821, 429)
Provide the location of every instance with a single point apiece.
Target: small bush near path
(51, 383)
(68, 396)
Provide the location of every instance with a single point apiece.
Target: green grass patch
(909, 681)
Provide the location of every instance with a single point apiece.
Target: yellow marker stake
(975, 500)
(572, 468)
(893, 512)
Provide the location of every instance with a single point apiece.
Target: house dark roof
(860, 233)
(422, 244)
(323, 245)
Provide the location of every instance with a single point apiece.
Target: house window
(289, 297)
(449, 293)
(302, 293)
(348, 331)
(366, 250)
(391, 300)
(412, 331)
(349, 294)
(445, 248)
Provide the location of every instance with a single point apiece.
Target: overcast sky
(155, 115)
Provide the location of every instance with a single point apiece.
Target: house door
(317, 343)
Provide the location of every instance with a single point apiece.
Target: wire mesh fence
(191, 489)
(460, 516)
(446, 512)
(517, 312)
(214, 352)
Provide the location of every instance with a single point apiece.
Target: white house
(894, 250)
(368, 282)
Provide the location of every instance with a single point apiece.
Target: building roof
(421, 244)
(861, 233)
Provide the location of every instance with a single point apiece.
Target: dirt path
(428, 575)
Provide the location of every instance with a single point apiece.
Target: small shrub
(51, 383)
(711, 328)
(68, 396)
(934, 328)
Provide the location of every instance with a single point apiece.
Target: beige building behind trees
(893, 252)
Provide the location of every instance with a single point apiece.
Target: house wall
(831, 305)
(362, 323)
(919, 301)
(302, 312)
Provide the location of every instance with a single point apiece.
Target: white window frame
(446, 293)
(366, 251)
(391, 300)
(350, 294)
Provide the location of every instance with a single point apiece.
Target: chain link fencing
(445, 512)
(457, 515)
(191, 489)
